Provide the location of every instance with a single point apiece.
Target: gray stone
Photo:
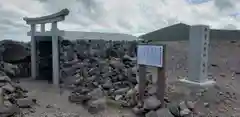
(138, 111)
(107, 85)
(114, 104)
(7, 103)
(128, 72)
(174, 109)
(78, 66)
(131, 92)
(69, 63)
(190, 105)
(25, 102)
(81, 90)
(206, 104)
(185, 113)
(78, 98)
(2, 73)
(71, 80)
(152, 90)
(94, 106)
(5, 79)
(151, 103)
(151, 114)
(96, 94)
(2, 84)
(121, 91)
(10, 69)
(69, 71)
(8, 111)
(118, 97)
(164, 112)
(92, 78)
(117, 64)
(8, 87)
(184, 110)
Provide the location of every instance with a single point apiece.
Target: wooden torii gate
(54, 33)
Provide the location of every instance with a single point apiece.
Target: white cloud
(124, 16)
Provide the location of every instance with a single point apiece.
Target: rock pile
(151, 106)
(102, 73)
(100, 70)
(13, 98)
(184, 109)
(17, 64)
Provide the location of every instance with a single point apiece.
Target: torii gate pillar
(33, 52)
(54, 33)
(55, 54)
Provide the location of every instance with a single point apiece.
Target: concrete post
(55, 54)
(42, 27)
(33, 52)
(198, 56)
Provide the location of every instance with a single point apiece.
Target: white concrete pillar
(55, 54)
(198, 56)
(33, 52)
(42, 27)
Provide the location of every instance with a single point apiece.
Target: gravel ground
(218, 101)
(224, 61)
(54, 104)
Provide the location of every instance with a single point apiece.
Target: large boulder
(14, 51)
(10, 69)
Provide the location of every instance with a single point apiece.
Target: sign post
(154, 56)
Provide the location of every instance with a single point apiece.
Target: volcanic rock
(25, 102)
(163, 112)
(9, 111)
(96, 94)
(151, 103)
(151, 114)
(94, 106)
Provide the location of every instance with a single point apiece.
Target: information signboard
(150, 55)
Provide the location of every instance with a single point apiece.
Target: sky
(134, 17)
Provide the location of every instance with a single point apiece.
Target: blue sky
(122, 16)
(197, 1)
